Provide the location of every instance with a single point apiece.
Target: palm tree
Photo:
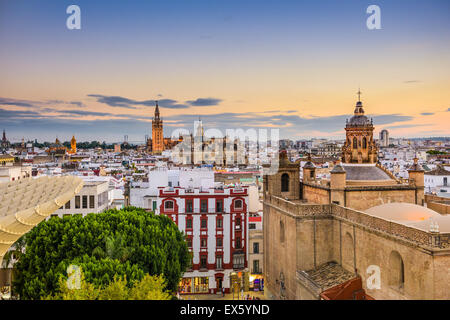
(115, 248)
(14, 253)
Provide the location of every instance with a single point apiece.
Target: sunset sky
(292, 65)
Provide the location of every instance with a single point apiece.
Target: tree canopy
(126, 243)
(149, 288)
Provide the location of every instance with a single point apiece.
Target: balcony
(239, 260)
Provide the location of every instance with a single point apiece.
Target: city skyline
(291, 65)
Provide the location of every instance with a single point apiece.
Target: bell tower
(157, 133)
(359, 145)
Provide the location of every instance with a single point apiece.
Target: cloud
(204, 102)
(427, 113)
(17, 114)
(108, 125)
(412, 81)
(122, 102)
(16, 102)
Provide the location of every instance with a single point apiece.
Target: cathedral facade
(360, 234)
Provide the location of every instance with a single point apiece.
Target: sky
(289, 65)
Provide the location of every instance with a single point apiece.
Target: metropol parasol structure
(24, 203)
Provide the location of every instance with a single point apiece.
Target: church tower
(359, 145)
(73, 145)
(157, 133)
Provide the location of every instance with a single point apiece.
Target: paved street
(228, 296)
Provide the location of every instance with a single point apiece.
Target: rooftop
(327, 275)
(439, 171)
(368, 172)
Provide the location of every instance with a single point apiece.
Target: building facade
(92, 198)
(215, 222)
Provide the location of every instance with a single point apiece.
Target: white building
(437, 181)
(93, 198)
(145, 194)
(13, 173)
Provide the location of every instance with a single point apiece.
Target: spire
(157, 111)
(359, 107)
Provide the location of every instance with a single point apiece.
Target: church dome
(406, 213)
(359, 120)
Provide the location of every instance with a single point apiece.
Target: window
(189, 242)
(77, 202)
(188, 223)
(238, 204)
(364, 143)
(285, 182)
(255, 247)
(67, 206)
(219, 242)
(238, 261)
(238, 243)
(203, 262)
(219, 206)
(252, 226)
(203, 242)
(168, 205)
(91, 202)
(203, 205)
(445, 181)
(281, 231)
(219, 223)
(355, 143)
(203, 223)
(256, 266)
(102, 199)
(219, 261)
(238, 223)
(189, 206)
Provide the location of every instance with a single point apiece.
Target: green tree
(129, 242)
(149, 288)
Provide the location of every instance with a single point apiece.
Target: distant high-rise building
(384, 138)
(157, 132)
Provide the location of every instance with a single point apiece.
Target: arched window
(285, 182)
(168, 205)
(364, 143)
(238, 204)
(355, 143)
(348, 252)
(396, 271)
